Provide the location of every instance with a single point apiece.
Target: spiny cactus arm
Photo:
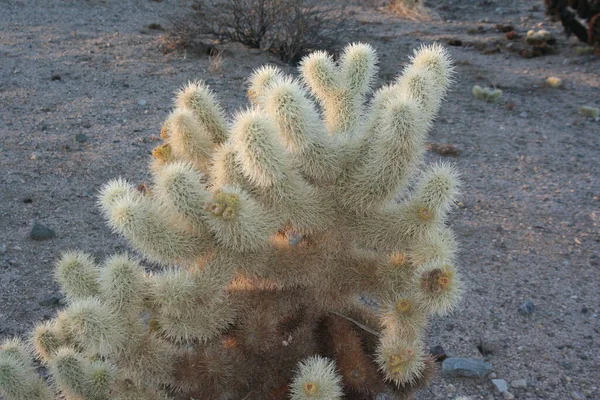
(123, 285)
(138, 218)
(18, 350)
(69, 371)
(341, 89)
(198, 98)
(188, 140)
(395, 226)
(46, 339)
(100, 377)
(434, 245)
(179, 187)
(238, 222)
(148, 362)
(95, 327)
(265, 164)
(358, 68)
(191, 305)
(401, 314)
(302, 130)
(438, 188)
(80, 379)
(18, 380)
(258, 151)
(260, 81)
(401, 362)
(316, 379)
(394, 152)
(435, 59)
(437, 287)
(77, 274)
(226, 169)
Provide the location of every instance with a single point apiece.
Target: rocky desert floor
(84, 88)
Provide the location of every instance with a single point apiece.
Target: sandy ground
(528, 218)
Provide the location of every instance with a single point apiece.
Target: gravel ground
(84, 89)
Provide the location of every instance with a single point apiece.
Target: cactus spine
(271, 231)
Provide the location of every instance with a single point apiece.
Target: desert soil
(527, 220)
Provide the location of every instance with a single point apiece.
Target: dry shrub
(289, 28)
(411, 9)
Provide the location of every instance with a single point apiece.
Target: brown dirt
(528, 218)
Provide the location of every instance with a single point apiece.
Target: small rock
(36, 155)
(566, 365)
(492, 375)
(438, 353)
(523, 114)
(578, 396)
(3, 248)
(55, 77)
(81, 138)
(500, 384)
(504, 28)
(508, 395)
(142, 102)
(527, 308)
(487, 348)
(41, 232)
(53, 300)
(584, 310)
(519, 383)
(155, 26)
(465, 367)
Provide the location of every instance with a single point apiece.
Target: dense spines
(316, 379)
(341, 88)
(358, 65)
(179, 187)
(68, 370)
(435, 59)
(199, 99)
(123, 284)
(95, 327)
(188, 140)
(303, 230)
(18, 381)
(438, 287)
(392, 156)
(260, 81)
(239, 222)
(77, 274)
(402, 362)
(100, 378)
(191, 305)
(148, 361)
(265, 165)
(139, 219)
(302, 130)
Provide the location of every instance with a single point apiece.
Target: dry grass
(215, 62)
(414, 10)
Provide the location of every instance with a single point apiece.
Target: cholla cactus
(303, 249)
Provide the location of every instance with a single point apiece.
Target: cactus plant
(303, 249)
